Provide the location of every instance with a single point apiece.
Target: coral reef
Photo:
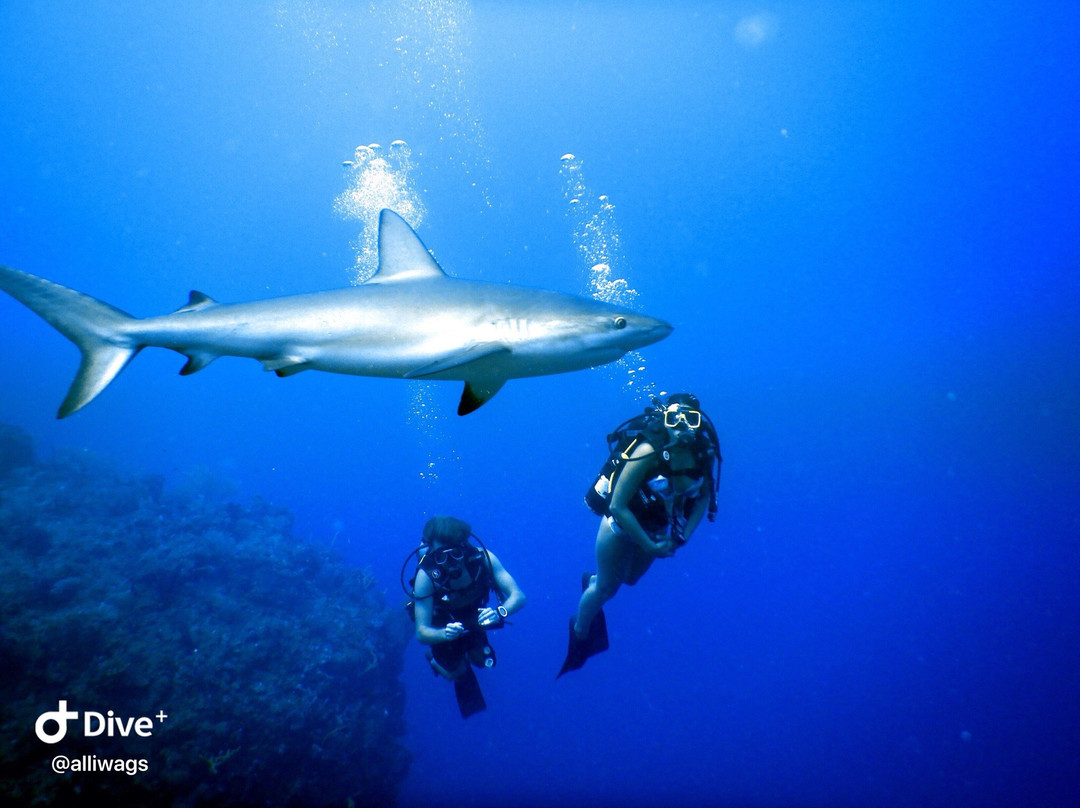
(276, 664)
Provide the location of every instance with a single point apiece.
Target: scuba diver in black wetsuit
(658, 483)
(453, 583)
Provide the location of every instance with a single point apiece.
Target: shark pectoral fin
(286, 365)
(476, 394)
(292, 370)
(196, 362)
(472, 353)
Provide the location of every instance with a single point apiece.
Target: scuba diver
(450, 591)
(659, 481)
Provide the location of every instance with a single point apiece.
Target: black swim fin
(597, 641)
(581, 649)
(469, 698)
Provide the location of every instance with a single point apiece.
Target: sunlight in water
(431, 43)
(596, 236)
(756, 29)
(418, 54)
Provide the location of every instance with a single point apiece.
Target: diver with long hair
(660, 480)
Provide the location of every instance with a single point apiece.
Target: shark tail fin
(98, 329)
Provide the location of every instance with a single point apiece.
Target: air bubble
(375, 182)
(596, 237)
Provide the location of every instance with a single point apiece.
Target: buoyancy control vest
(446, 567)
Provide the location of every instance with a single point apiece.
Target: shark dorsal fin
(402, 255)
(196, 302)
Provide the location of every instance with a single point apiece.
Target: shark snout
(653, 330)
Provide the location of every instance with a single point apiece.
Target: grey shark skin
(409, 321)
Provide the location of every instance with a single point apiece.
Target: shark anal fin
(476, 394)
(457, 359)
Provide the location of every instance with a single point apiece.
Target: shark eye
(620, 322)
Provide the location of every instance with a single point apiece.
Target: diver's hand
(453, 631)
(487, 617)
(663, 548)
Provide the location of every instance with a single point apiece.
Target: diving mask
(672, 418)
(448, 563)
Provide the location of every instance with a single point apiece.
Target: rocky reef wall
(276, 665)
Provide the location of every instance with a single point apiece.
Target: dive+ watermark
(94, 724)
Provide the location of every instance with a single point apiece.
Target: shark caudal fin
(95, 327)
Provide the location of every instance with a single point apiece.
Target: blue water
(862, 220)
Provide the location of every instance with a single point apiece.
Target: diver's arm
(513, 599)
(423, 598)
(635, 472)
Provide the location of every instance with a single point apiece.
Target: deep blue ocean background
(862, 219)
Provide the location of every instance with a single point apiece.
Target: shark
(410, 320)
